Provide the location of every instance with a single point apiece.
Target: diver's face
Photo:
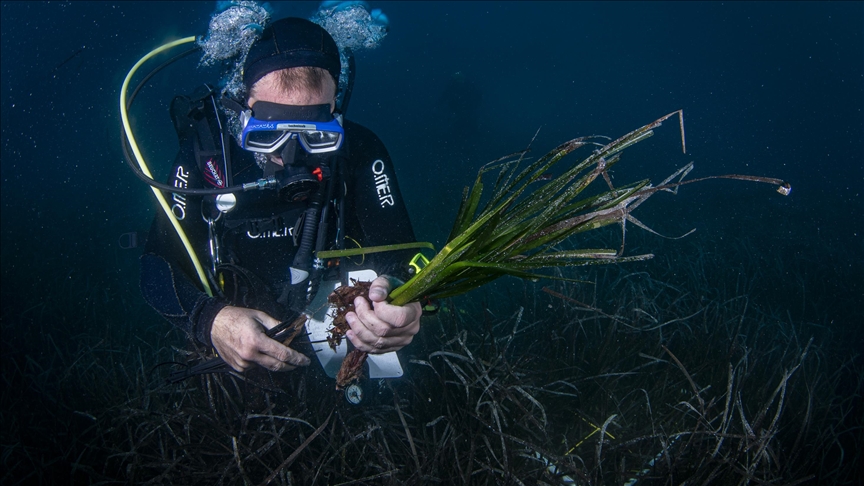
(270, 90)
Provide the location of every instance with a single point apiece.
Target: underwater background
(732, 356)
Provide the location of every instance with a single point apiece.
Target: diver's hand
(382, 327)
(238, 336)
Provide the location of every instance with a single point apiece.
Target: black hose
(303, 258)
(321, 239)
(124, 141)
(295, 295)
(156, 70)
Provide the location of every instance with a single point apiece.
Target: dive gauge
(354, 394)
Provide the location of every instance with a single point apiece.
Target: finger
(237, 363)
(368, 342)
(265, 320)
(365, 314)
(366, 339)
(272, 363)
(276, 350)
(398, 316)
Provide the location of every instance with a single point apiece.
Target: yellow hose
(143, 165)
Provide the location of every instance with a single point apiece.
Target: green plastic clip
(418, 263)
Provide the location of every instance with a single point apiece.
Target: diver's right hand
(238, 336)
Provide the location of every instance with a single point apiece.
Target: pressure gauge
(354, 394)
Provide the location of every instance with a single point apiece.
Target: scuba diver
(329, 183)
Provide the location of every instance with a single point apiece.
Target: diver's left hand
(382, 327)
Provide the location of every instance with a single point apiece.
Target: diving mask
(271, 125)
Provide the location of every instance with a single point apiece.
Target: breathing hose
(202, 276)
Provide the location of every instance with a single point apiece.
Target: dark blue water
(768, 89)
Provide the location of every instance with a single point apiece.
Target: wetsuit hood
(291, 42)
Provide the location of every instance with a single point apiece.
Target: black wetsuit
(256, 236)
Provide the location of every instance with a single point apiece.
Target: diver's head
(293, 57)
(290, 75)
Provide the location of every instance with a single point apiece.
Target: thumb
(380, 288)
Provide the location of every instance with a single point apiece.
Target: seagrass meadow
(674, 372)
(713, 335)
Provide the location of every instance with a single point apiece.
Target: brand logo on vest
(213, 174)
(382, 184)
(278, 233)
(181, 181)
(274, 228)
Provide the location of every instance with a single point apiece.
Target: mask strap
(232, 104)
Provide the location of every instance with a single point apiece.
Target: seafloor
(673, 372)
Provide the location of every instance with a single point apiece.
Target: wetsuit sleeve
(169, 282)
(376, 201)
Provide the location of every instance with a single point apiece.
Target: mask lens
(265, 139)
(267, 136)
(319, 141)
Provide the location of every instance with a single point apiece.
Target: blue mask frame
(269, 135)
